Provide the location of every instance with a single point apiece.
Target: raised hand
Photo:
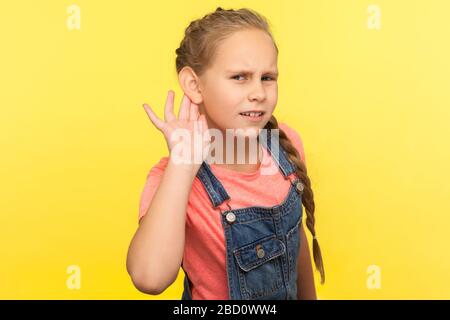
(180, 133)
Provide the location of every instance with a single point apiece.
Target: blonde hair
(197, 50)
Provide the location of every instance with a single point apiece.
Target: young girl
(236, 232)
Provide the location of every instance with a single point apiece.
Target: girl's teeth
(253, 114)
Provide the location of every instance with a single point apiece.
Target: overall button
(299, 187)
(231, 217)
(260, 251)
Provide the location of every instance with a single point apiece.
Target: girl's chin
(248, 131)
(244, 128)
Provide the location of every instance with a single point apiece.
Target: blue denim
(262, 243)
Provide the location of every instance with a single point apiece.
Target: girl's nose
(257, 92)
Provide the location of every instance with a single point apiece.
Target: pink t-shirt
(204, 253)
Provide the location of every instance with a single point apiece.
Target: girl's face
(242, 78)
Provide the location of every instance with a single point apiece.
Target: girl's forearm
(156, 250)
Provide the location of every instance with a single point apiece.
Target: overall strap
(214, 188)
(271, 140)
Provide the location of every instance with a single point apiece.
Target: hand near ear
(188, 125)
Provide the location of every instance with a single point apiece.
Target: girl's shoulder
(295, 138)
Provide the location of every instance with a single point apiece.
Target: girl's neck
(244, 168)
(244, 163)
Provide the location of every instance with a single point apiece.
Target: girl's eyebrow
(250, 72)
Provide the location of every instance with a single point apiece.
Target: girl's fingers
(193, 115)
(206, 133)
(168, 110)
(183, 113)
(153, 117)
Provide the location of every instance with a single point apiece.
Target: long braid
(307, 195)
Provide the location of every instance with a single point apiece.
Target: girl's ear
(190, 84)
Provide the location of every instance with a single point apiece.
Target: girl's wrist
(182, 168)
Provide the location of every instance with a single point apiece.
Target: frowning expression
(241, 78)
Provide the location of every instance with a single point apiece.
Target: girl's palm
(189, 121)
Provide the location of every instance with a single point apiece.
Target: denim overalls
(262, 243)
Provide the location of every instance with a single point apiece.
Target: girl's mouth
(253, 116)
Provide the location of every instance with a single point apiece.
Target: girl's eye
(239, 75)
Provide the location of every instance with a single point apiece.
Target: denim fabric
(262, 243)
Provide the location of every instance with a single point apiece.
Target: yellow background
(372, 107)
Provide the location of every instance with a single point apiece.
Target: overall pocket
(260, 271)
